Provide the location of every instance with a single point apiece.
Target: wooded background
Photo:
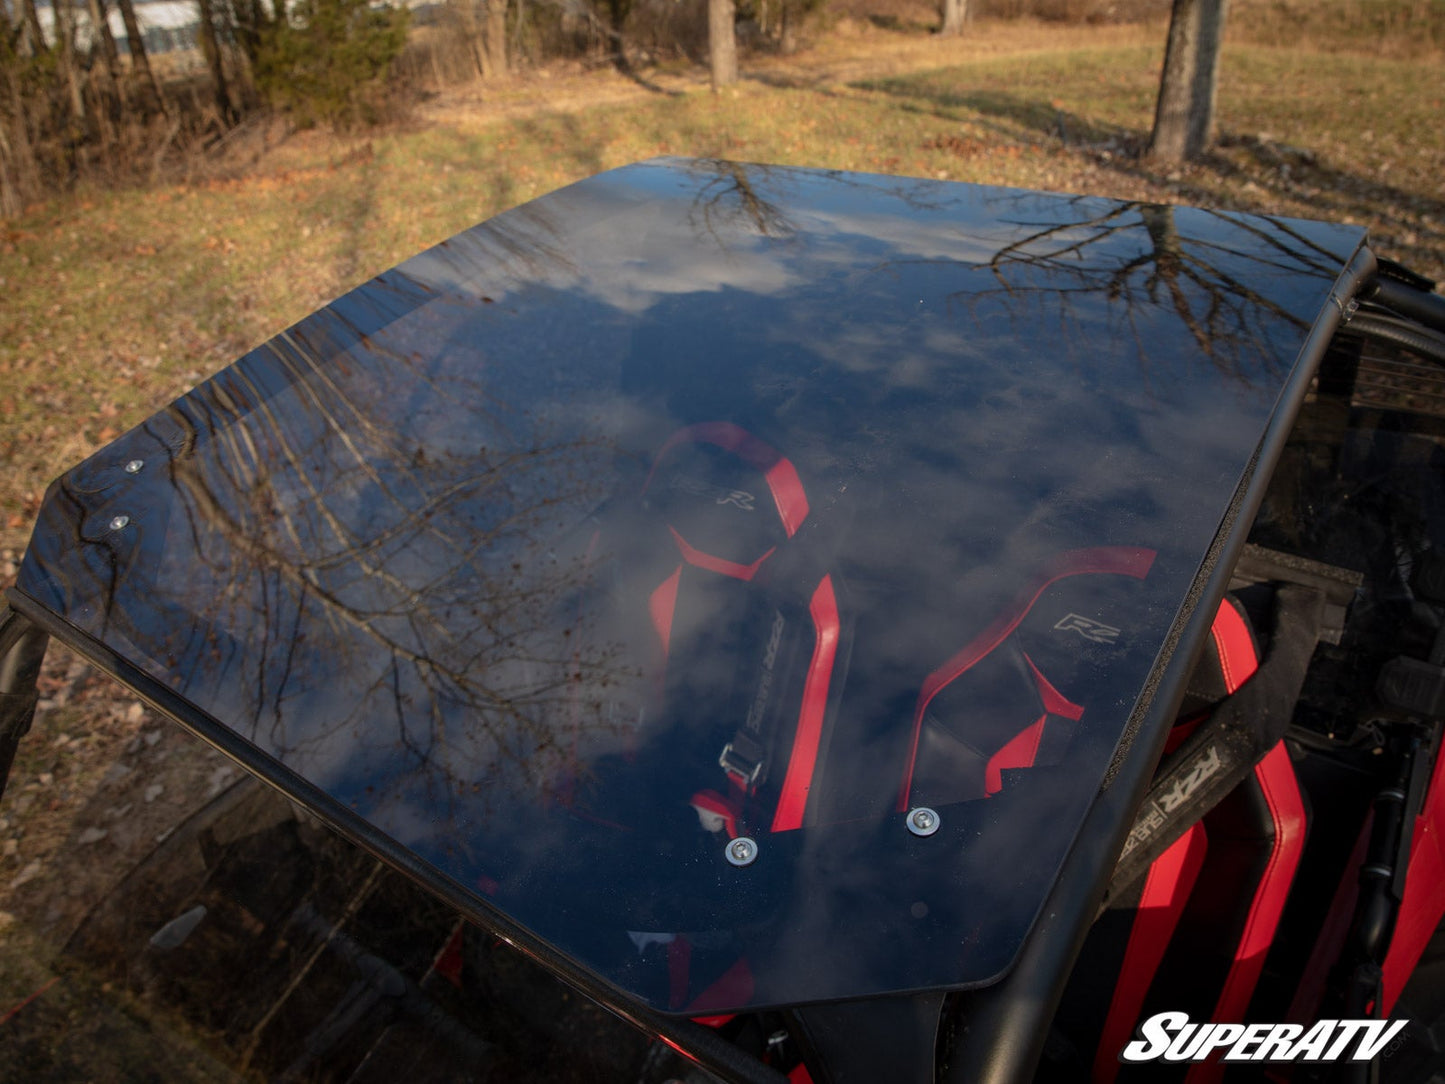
(114, 90)
(119, 92)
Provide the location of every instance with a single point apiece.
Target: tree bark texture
(211, 47)
(35, 32)
(494, 38)
(466, 13)
(104, 44)
(722, 42)
(1184, 117)
(140, 64)
(69, 73)
(12, 110)
(954, 14)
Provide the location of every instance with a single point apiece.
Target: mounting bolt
(134, 466)
(741, 851)
(922, 821)
(119, 522)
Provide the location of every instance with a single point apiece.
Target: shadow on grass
(1281, 170)
(625, 68)
(351, 257)
(567, 141)
(1277, 172)
(1025, 113)
(901, 25)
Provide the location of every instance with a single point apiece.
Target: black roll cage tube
(1408, 294)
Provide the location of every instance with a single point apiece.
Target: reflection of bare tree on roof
(354, 523)
(521, 245)
(1135, 254)
(732, 200)
(735, 195)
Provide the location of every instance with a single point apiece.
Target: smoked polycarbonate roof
(701, 502)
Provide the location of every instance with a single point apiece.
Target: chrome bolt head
(741, 851)
(135, 466)
(922, 821)
(119, 523)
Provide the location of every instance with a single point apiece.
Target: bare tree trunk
(140, 63)
(211, 47)
(617, 11)
(954, 14)
(104, 38)
(518, 47)
(110, 89)
(251, 21)
(494, 38)
(69, 75)
(34, 30)
(12, 199)
(722, 42)
(15, 154)
(467, 16)
(1184, 118)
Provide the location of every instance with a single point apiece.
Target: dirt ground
(100, 780)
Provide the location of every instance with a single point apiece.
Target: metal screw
(134, 466)
(922, 821)
(741, 851)
(119, 522)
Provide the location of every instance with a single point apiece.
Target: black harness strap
(1218, 756)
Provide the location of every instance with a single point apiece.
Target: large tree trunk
(140, 63)
(494, 38)
(1184, 118)
(954, 14)
(722, 42)
(211, 47)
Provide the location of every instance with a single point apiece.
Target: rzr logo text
(1094, 631)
